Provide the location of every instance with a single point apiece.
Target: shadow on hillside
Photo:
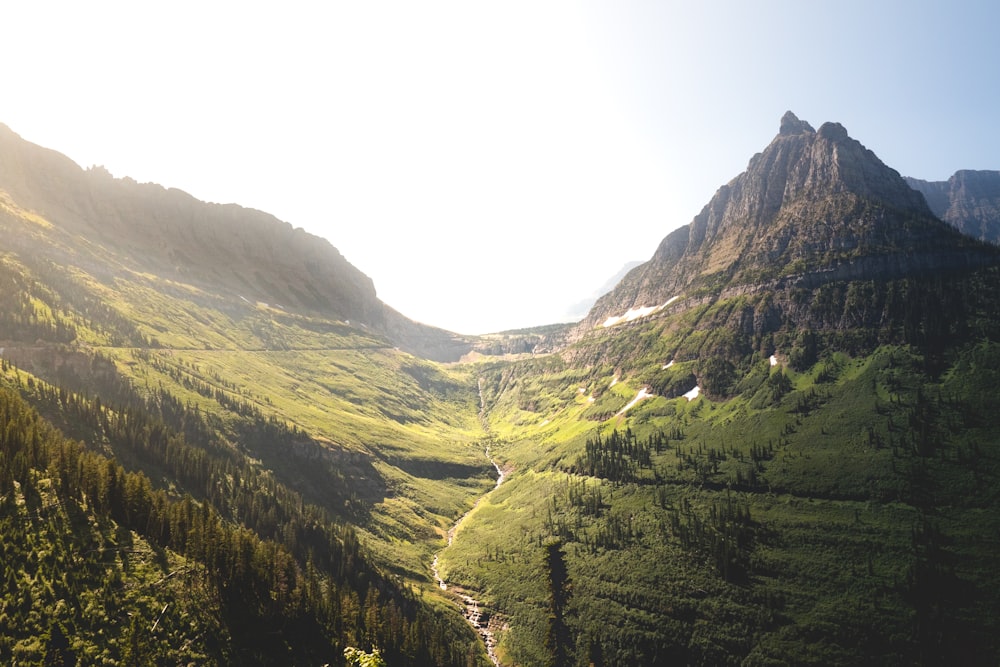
(345, 483)
(439, 470)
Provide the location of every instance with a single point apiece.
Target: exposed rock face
(814, 206)
(969, 201)
(225, 249)
(791, 125)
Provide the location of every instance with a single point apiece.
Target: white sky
(489, 164)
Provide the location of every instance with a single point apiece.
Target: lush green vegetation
(88, 541)
(185, 477)
(324, 462)
(839, 507)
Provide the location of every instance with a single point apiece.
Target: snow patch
(544, 423)
(666, 366)
(591, 399)
(614, 381)
(630, 314)
(635, 313)
(693, 394)
(774, 360)
(643, 393)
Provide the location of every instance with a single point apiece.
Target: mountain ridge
(239, 253)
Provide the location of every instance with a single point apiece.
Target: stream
(472, 612)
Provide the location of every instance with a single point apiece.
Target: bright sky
(489, 164)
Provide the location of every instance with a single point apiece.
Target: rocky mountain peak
(790, 125)
(812, 206)
(833, 132)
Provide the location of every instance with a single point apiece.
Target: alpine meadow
(774, 443)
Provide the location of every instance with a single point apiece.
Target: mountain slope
(137, 326)
(152, 577)
(302, 453)
(969, 201)
(235, 253)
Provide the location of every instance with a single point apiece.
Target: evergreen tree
(558, 641)
(58, 652)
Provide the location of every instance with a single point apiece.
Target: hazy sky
(488, 164)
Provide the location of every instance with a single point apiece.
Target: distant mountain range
(580, 309)
(969, 201)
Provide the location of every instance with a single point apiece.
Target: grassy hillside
(844, 512)
(280, 421)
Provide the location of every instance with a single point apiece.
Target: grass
(840, 487)
(414, 421)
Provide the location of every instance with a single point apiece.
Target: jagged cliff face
(101, 222)
(814, 206)
(969, 201)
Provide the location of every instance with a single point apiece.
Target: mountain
(813, 207)
(195, 389)
(969, 201)
(774, 443)
(234, 253)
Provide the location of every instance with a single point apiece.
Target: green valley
(775, 443)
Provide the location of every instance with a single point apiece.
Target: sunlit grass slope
(842, 511)
(398, 434)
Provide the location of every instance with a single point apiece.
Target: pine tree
(58, 652)
(558, 641)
